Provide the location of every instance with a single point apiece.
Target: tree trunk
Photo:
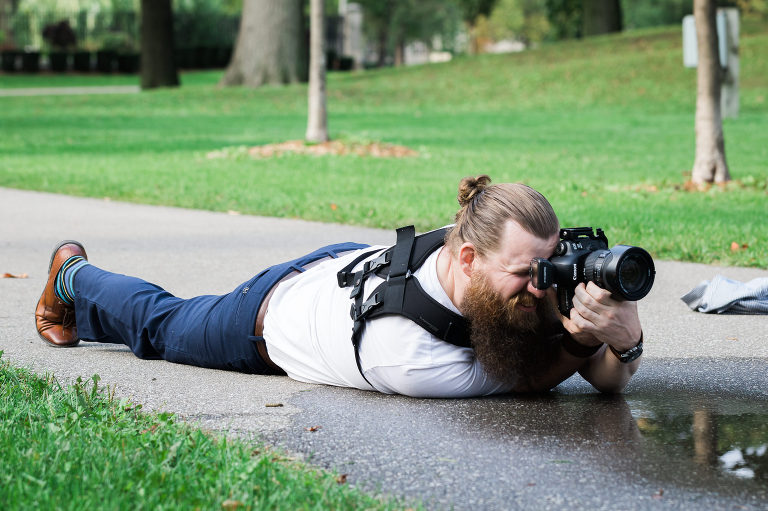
(710, 164)
(382, 44)
(270, 47)
(601, 17)
(399, 52)
(7, 10)
(704, 438)
(317, 120)
(474, 45)
(158, 68)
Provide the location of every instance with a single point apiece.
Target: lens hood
(624, 270)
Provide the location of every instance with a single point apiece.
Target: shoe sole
(50, 265)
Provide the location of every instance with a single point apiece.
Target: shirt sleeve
(455, 380)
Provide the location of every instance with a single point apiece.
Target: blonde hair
(485, 210)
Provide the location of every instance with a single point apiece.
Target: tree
(270, 47)
(7, 10)
(158, 68)
(710, 164)
(523, 20)
(601, 17)
(472, 10)
(421, 20)
(392, 24)
(377, 22)
(565, 18)
(317, 118)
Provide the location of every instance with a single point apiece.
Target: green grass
(79, 448)
(603, 127)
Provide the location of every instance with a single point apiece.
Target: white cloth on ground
(724, 295)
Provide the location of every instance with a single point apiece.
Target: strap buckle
(359, 313)
(348, 278)
(359, 277)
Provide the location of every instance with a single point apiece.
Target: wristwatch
(625, 357)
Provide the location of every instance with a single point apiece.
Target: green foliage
(473, 9)
(421, 20)
(603, 127)
(565, 18)
(120, 42)
(393, 23)
(78, 447)
(205, 23)
(523, 20)
(197, 23)
(654, 13)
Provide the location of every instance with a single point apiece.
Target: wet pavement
(690, 433)
(669, 443)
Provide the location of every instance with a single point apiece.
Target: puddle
(674, 447)
(722, 437)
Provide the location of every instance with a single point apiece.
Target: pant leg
(205, 331)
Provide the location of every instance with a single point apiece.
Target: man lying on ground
(451, 313)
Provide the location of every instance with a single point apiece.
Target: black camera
(583, 256)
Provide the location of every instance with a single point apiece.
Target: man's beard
(511, 344)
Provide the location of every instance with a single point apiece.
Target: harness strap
(423, 310)
(400, 294)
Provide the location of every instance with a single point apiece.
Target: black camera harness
(401, 293)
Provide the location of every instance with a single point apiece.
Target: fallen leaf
(731, 338)
(231, 504)
(735, 247)
(12, 276)
(313, 428)
(341, 479)
(273, 405)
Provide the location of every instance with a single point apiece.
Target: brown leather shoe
(55, 320)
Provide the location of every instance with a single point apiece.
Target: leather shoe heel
(54, 319)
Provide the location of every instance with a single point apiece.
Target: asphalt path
(569, 448)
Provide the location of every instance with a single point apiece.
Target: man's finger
(599, 294)
(585, 300)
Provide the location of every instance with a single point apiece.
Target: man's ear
(467, 258)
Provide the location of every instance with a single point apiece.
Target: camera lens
(630, 273)
(623, 270)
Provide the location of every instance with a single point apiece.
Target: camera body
(582, 255)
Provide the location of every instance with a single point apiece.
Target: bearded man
(451, 313)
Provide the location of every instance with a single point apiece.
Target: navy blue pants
(206, 331)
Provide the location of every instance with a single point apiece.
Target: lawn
(603, 127)
(79, 448)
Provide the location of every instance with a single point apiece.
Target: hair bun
(470, 187)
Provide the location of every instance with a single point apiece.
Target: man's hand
(597, 318)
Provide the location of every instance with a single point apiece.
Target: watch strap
(631, 354)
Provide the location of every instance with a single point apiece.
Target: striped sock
(64, 286)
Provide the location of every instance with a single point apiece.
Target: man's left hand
(596, 317)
